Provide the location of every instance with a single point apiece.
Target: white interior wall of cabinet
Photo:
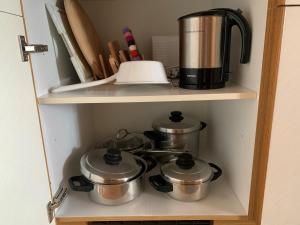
(54, 67)
(281, 202)
(145, 18)
(232, 125)
(68, 133)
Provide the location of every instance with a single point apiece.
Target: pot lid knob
(112, 156)
(185, 161)
(176, 116)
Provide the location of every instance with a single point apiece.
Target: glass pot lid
(125, 141)
(186, 170)
(176, 123)
(110, 166)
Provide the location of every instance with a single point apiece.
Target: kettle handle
(239, 20)
(234, 18)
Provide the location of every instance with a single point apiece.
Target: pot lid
(125, 141)
(110, 166)
(176, 123)
(186, 170)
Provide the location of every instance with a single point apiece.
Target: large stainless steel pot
(186, 179)
(177, 132)
(111, 177)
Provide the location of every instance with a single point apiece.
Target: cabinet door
(281, 204)
(24, 182)
(11, 6)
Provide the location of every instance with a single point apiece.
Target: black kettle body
(205, 44)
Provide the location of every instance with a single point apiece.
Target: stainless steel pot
(111, 177)
(176, 132)
(186, 179)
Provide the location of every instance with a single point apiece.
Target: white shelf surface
(220, 204)
(146, 93)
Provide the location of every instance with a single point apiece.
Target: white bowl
(141, 72)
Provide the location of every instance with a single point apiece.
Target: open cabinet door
(24, 182)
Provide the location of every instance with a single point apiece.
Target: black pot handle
(203, 125)
(80, 183)
(160, 184)
(151, 162)
(153, 135)
(217, 173)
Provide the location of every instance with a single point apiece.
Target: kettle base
(202, 79)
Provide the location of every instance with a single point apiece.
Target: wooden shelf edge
(144, 99)
(148, 218)
(113, 95)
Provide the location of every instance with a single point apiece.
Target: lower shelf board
(221, 204)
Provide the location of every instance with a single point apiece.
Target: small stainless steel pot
(177, 132)
(186, 179)
(111, 177)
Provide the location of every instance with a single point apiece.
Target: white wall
(281, 202)
(233, 124)
(145, 18)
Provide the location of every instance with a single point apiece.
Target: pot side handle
(160, 184)
(203, 125)
(154, 136)
(80, 183)
(151, 162)
(218, 171)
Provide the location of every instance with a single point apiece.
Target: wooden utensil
(85, 35)
(114, 64)
(103, 66)
(124, 56)
(114, 48)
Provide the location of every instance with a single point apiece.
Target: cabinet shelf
(146, 93)
(221, 204)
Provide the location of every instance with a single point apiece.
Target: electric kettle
(205, 43)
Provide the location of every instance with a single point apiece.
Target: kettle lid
(212, 12)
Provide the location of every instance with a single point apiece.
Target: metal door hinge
(26, 49)
(58, 199)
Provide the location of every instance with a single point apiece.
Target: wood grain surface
(85, 35)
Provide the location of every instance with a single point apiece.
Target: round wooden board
(85, 35)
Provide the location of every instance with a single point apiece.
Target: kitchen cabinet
(24, 181)
(11, 6)
(239, 117)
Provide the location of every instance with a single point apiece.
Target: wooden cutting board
(85, 35)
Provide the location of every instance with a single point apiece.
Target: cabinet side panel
(281, 203)
(233, 124)
(68, 134)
